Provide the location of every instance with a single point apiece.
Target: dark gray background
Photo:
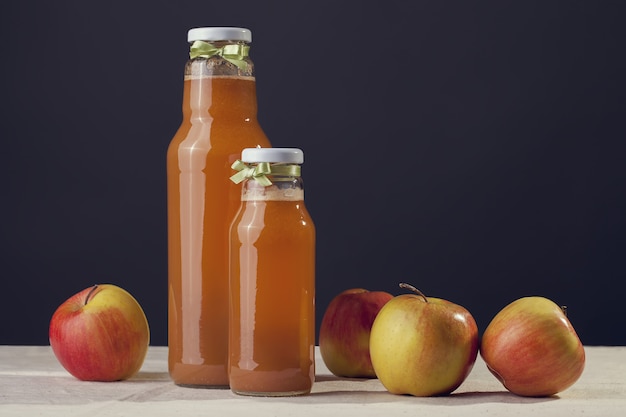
(473, 149)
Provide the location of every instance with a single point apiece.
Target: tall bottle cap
(274, 155)
(219, 34)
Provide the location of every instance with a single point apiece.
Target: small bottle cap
(286, 155)
(219, 34)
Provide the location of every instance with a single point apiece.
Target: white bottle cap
(219, 34)
(286, 155)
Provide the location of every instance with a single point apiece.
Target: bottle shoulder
(216, 136)
(281, 216)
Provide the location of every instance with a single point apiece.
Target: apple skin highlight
(100, 334)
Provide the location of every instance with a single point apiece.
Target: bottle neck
(281, 189)
(220, 84)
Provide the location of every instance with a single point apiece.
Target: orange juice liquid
(272, 331)
(219, 120)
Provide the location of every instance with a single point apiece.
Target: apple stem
(415, 290)
(564, 310)
(95, 287)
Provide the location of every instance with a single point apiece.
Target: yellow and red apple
(345, 332)
(532, 348)
(423, 346)
(100, 334)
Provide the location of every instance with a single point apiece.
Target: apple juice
(272, 291)
(219, 120)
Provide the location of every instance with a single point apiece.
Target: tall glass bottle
(219, 120)
(272, 287)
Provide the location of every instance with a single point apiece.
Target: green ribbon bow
(235, 54)
(260, 171)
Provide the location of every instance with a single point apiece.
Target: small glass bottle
(219, 120)
(272, 278)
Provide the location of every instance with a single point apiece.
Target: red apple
(345, 332)
(100, 334)
(532, 348)
(423, 346)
